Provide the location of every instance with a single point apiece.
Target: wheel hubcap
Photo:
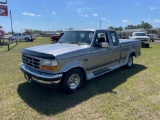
(74, 81)
(130, 61)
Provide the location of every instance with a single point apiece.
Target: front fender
(73, 64)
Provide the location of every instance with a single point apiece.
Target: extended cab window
(114, 38)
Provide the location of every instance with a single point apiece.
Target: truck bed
(127, 42)
(122, 41)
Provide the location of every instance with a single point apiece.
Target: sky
(53, 15)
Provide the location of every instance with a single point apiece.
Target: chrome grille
(31, 61)
(143, 39)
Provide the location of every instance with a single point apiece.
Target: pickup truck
(55, 38)
(79, 55)
(152, 37)
(22, 36)
(145, 40)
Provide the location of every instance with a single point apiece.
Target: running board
(101, 72)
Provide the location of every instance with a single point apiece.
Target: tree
(59, 30)
(70, 28)
(116, 28)
(143, 25)
(30, 31)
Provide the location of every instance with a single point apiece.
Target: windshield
(77, 37)
(139, 34)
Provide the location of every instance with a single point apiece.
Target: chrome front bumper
(42, 78)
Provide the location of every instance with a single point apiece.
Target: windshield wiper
(61, 42)
(74, 43)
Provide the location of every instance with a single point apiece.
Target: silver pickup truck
(79, 55)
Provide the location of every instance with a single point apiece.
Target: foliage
(70, 28)
(30, 31)
(143, 24)
(116, 28)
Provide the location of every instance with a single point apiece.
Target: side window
(114, 38)
(102, 37)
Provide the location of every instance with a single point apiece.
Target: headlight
(49, 64)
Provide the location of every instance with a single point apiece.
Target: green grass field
(123, 94)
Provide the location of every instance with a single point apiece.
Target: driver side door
(101, 57)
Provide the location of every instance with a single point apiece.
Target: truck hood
(56, 49)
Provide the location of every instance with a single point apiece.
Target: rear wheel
(130, 61)
(55, 40)
(147, 45)
(71, 81)
(27, 39)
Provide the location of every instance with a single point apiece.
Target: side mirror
(104, 44)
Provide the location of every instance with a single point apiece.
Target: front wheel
(27, 39)
(130, 61)
(72, 81)
(31, 40)
(55, 40)
(147, 45)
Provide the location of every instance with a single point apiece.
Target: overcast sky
(49, 15)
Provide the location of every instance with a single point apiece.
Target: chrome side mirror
(104, 44)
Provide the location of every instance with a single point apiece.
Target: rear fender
(131, 51)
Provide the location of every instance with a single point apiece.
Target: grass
(123, 94)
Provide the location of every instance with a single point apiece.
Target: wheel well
(133, 54)
(82, 70)
(54, 39)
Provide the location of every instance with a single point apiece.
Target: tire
(55, 40)
(31, 40)
(27, 39)
(147, 45)
(130, 61)
(71, 81)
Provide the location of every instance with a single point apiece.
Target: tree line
(143, 25)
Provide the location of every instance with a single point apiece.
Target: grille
(31, 61)
(142, 39)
